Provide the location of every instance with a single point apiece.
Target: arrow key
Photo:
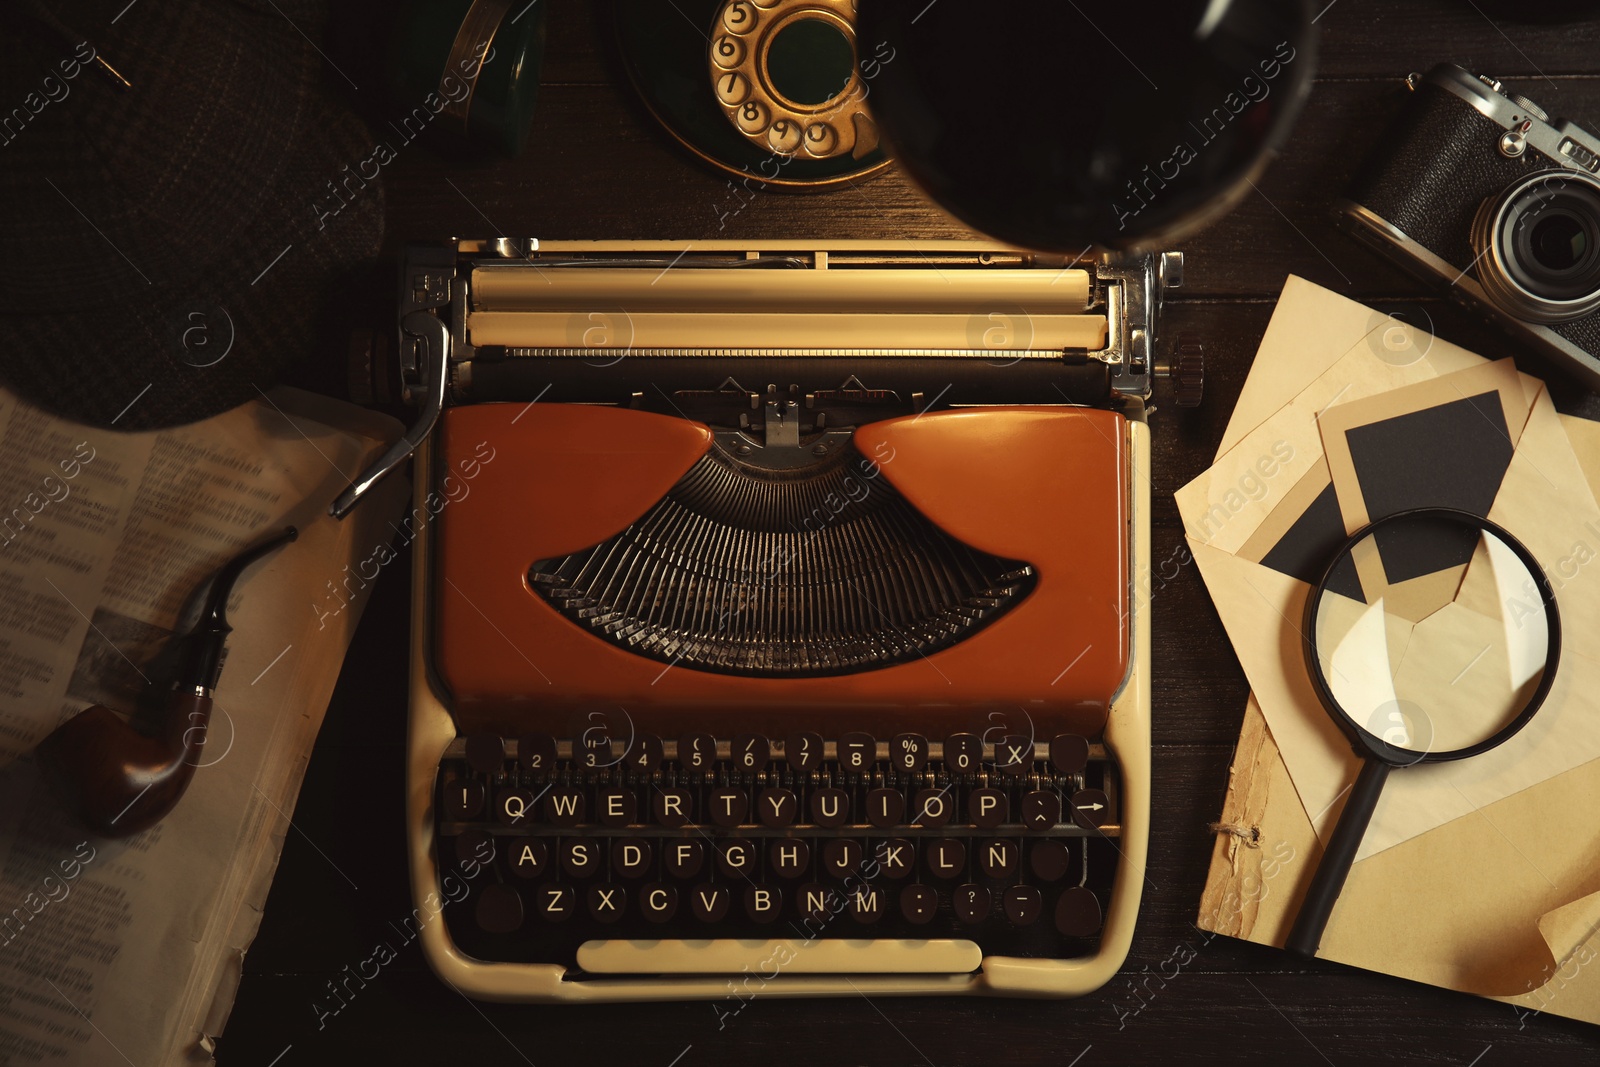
(1091, 808)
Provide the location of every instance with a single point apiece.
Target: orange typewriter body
(765, 623)
(1044, 485)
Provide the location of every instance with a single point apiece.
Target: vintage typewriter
(777, 614)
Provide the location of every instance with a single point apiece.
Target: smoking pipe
(120, 781)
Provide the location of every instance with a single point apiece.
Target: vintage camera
(1478, 188)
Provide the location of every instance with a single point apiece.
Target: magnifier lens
(1433, 635)
(1432, 638)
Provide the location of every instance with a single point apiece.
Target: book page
(114, 950)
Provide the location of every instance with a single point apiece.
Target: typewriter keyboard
(1006, 842)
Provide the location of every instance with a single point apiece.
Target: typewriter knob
(372, 377)
(1187, 370)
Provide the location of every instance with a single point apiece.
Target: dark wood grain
(599, 167)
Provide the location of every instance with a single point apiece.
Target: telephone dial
(770, 90)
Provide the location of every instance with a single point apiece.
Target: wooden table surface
(599, 167)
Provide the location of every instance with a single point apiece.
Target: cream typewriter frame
(848, 966)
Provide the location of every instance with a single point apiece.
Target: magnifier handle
(1336, 860)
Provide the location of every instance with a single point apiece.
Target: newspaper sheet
(131, 950)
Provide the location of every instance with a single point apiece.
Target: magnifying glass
(1433, 635)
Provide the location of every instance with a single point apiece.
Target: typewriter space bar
(816, 956)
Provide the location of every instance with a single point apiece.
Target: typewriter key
(908, 753)
(895, 855)
(697, 752)
(1013, 755)
(762, 903)
(563, 806)
(946, 857)
(554, 903)
(593, 749)
(684, 858)
(527, 857)
(778, 808)
(857, 751)
(1022, 904)
(830, 807)
(1069, 753)
(803, 752)
(710, 902)
(463, 800)
(971, 903)
(918, 903)
(842, 857)
(1049, 860)
(606, 902)
(866, 904)
(998, 858)
(658, 901)
(486, 753)
(751, 753)
(499, 909)
(934, 807)
(580, 856)
(630, 856)
(644, 756)
(514, 807)
(536, 753)
(789, 858)
(474, 846)
(672, 808)
(736, 858)
(885, 808)
(616, 807)
(1041, 809)
(1090, 808)
(963, 753)
(1078, 913)
(815, 902)
(987, 808)
(729, 807)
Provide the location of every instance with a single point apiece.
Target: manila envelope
(1355, 352)
(1310, 329)
(1512, 921)
(1544, 500)
(1502, 903)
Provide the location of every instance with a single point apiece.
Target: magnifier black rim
(1367, 744)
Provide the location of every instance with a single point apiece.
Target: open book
(132, 950)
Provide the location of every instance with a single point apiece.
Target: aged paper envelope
(1446, 441)
(1225, 504)
(1516, 918)
(1262, 609)
(1312, 328)
(1543, 498)
(1478, 904)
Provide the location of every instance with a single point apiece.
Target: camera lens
(1559, 243)
(1554, 246)
(1538, 246)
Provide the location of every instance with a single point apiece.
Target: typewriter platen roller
(777, 614)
